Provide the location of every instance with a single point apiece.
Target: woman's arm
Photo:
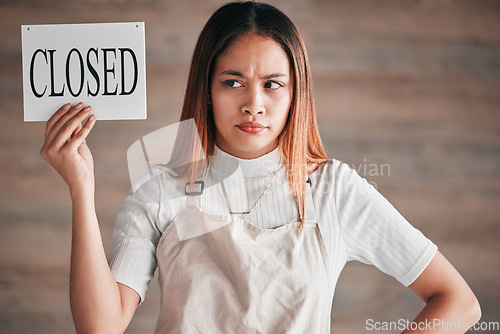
(98, 303)
(450, 303)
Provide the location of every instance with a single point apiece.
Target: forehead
(253, 52)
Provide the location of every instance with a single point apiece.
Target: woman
(283, 222)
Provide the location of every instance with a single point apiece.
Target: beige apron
(220, 274)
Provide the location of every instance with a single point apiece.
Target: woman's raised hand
(65, 147)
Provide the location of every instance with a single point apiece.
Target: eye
(232, 83)
(273, 85)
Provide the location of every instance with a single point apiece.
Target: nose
(254, 102)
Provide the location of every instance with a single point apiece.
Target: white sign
(102, 65)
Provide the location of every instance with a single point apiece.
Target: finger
(76, 131)
(56, 116)
(56, 128)
(80, 137)
(70, 126)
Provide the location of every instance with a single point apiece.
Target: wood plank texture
(410, 85)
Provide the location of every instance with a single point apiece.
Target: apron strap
(310, 212)
(193, 193)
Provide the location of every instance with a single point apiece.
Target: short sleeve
(132, 254)
(374, 232)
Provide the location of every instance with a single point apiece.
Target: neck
(242, 153)
(261, 165)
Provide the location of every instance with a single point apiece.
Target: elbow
(474, 310)
(97, 325)
(95, 329)
(469, 308)
(462, 306)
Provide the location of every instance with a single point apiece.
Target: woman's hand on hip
(65, 147)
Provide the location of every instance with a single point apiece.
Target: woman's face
(250, 94)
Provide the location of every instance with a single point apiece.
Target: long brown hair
(299, 143)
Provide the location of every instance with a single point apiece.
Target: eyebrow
(239, 74)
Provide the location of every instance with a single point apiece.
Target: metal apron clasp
(194, 193)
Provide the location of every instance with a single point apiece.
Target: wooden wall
(413, 85)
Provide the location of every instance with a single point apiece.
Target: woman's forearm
(446, 314)
(94, 293)
(451, 306)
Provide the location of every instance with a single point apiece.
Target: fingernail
(87, 109)
(66, 106)
(79, 105)
(91, 118)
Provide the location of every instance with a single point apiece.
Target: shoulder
(337, 177)
(330, 169)
(152, 197)
(157, 184)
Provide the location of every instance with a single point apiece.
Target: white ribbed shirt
(355, 220)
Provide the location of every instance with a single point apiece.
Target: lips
(251, 127)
